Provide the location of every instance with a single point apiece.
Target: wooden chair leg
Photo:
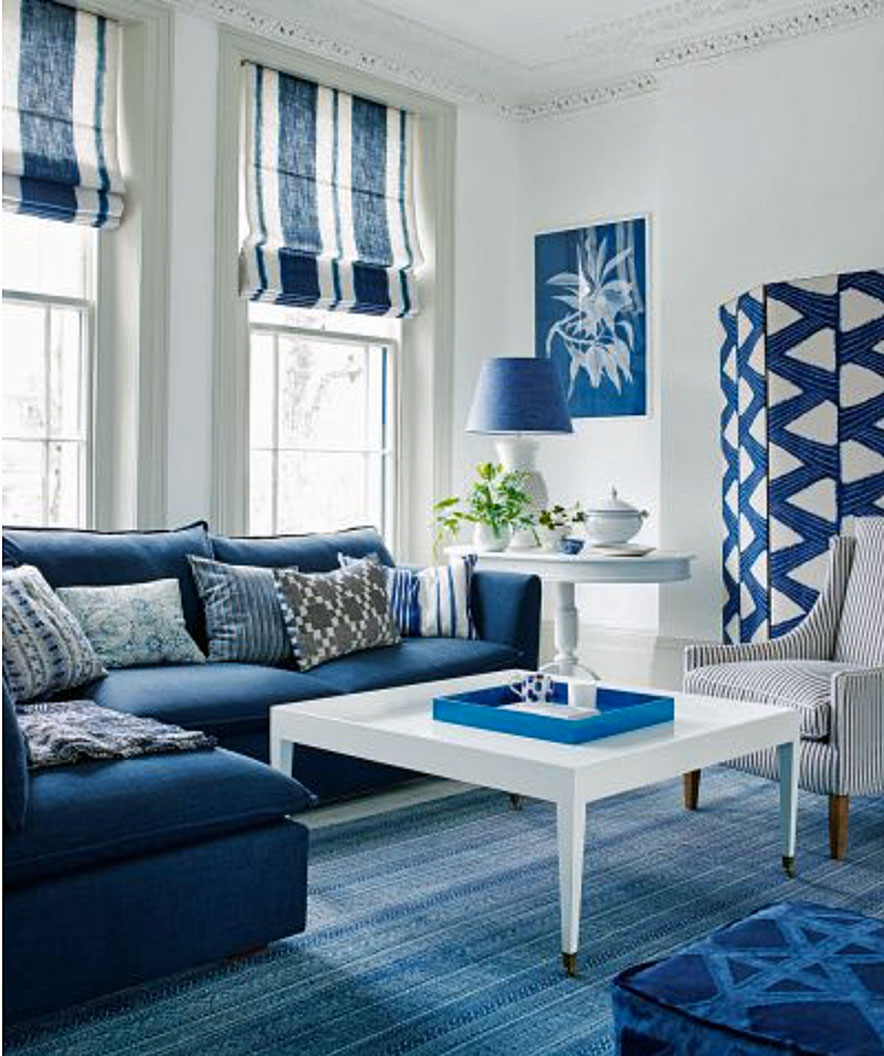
(691, 783)
(839, 807)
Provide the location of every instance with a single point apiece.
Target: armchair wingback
(830, 668)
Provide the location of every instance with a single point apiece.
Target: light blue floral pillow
(135, 624)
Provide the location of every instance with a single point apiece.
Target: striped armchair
(830, 668)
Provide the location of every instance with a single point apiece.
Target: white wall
(760, 166)
(191, 269)
(486, 250)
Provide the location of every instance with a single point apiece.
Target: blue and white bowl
(569, 546)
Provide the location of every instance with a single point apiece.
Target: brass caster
(569, 960)
(515, 801)
(789, 866)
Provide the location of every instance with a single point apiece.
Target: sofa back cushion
(15, 767)
(72, 558)
(861, 630)
(310, 553)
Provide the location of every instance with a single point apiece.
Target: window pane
(374, 326)
(67, 375)
(261, 493)
(23, 466)
(24, 370)
(343, 491)
(323, 394)
(262, 396)
(42, 256)
(65, 485)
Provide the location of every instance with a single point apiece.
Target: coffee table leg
(788, 759)
(571, 818)
(282, 754)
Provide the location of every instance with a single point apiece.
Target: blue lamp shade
(519, 395)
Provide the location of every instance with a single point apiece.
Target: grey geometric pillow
(329, 614)
(243, 618)
(44, 648)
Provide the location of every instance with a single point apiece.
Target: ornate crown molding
(580, 100)
(769, 31)
(640, 47)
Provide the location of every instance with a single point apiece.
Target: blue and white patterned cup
(534, 689)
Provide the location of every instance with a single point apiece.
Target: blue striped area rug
(434, 929)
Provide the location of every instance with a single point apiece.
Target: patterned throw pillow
(329, 614)
(431, 602)
(134, 624)
(243, 618)
(44, 648)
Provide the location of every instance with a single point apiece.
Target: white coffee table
(396, 727)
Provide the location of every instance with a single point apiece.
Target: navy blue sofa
(121, 872)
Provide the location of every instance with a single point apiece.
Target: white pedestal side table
(563, 572)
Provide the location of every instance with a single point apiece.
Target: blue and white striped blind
(60, 113)
(329, 198)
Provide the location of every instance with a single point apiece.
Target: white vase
(486, 539)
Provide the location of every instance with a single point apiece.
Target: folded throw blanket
(72, 731)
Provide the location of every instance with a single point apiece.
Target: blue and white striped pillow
(244, 622)
(431, 602)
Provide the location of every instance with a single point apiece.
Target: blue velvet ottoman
(793, 977)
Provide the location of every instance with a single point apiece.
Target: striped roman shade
(329, 198)
(60, 113)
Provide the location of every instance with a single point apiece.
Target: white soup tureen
(611, 520)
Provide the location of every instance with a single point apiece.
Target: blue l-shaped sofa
(119, 872)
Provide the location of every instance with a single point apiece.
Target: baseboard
(635, 657)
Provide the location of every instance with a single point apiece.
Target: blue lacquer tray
(621, 710)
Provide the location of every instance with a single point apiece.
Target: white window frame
(389, 450)
(426, 352)
(85, 306)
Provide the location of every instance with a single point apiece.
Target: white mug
(534, 689)
(582, 694)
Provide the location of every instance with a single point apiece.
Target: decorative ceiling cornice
(629, 54)
(314, 41)
(768, 31)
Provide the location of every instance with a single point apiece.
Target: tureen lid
(612, 504)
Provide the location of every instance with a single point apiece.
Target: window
(321, 422)
(48, 309)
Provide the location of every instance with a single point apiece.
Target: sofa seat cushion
(82, 815)
(214, 698)
(414, 660)
(805, 685)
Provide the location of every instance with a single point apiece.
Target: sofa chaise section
(127, 870)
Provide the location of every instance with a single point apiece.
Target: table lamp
(518, 399)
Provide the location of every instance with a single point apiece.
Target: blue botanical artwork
(590, 295)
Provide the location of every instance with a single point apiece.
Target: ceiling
(529, 58)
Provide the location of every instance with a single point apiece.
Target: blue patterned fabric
(802, 376)
(44, 648)
(134, 624)
(59, 113)
(433, 602)
(794, 977)
(243, 619)
(329, 198)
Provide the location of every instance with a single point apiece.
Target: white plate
(622, 549)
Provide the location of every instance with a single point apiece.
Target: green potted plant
(555, 523)
(497, 504)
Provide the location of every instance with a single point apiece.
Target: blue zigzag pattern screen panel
(802, 433)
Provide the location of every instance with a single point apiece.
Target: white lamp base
(519, 452)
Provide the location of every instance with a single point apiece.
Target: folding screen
(802, 432)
